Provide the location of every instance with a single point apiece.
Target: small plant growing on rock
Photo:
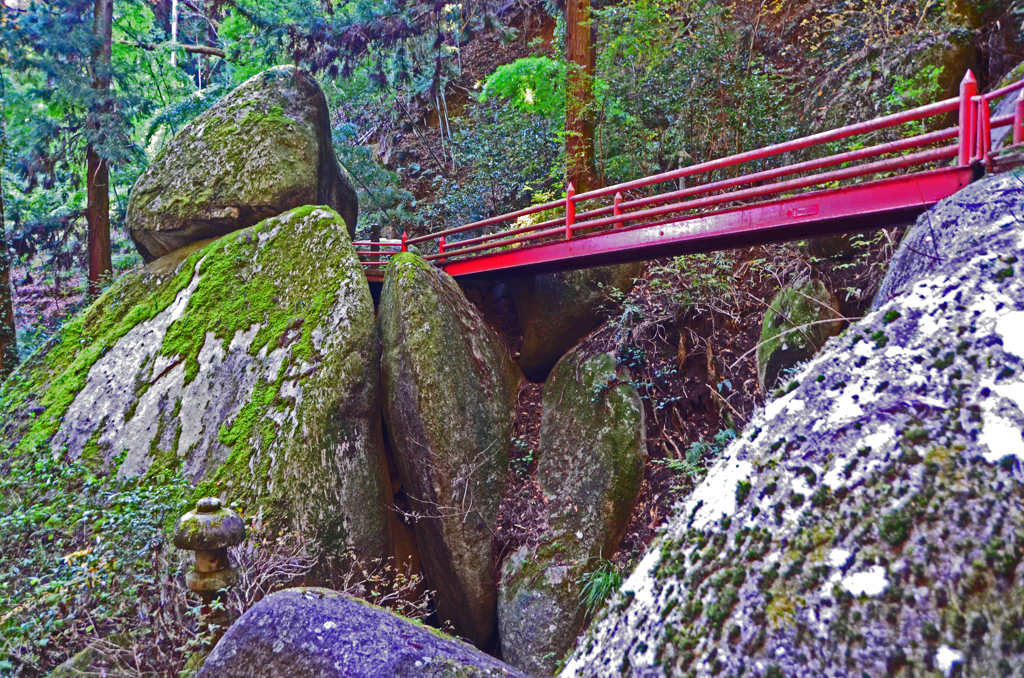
(598, 585)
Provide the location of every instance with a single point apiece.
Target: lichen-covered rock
(591, 468)
(871, 522)
(557, 309)
(316, 633)
(949, 232)
(795, 327)
(450, 390)
(250, 365)
(261, 150)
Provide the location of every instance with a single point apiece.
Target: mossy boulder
(591, 467)
(449, 395)
(261, 150)
(317, 633)
(798, 322)
(249, 365)
(870, 523)
(556, 310)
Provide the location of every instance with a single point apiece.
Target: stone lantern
(209, 531)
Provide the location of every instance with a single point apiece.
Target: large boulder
(871, 522)
(261, 150)
(591, 467)
(316, 633)
(556, 310)
(250, 365)
(949, 232)
(796, 325)
(450, 392)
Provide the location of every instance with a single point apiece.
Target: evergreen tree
(8, 336)
(83, 125)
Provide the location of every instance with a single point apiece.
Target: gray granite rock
(557, 309)
(869, 523)
(323, 634)
(249, 365)
(262, 149)
(591, 468)
(449, 394)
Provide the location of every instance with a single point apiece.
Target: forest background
(442, 112)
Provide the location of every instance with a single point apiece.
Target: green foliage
(507, 157)
(598, 585)
(682, 88)
(85, 557)
(533, 85)
(695, 462)
(695, 279)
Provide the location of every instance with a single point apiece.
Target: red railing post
(968, 90)
(440, 246)
(405, 241)
(570, 210)
(1018, 119)
(984, 142)
(616, 210)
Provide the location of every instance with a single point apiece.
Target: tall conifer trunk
(97, 174)
(579, 100)
(8, 337)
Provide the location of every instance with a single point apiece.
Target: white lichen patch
(947, 659)
(870, 582)
(1003, 438)
(716, 496)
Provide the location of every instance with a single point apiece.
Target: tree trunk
(8, 337)
(97, 174)
(579, 96)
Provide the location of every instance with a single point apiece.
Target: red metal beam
(869, 206)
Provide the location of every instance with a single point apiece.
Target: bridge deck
(793, 201)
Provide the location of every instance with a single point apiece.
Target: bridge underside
(863, 207)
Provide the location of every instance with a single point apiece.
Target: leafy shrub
(507, 156)
(534, 85)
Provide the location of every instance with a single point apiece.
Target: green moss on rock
(795, 326)
(261, 150)
(250, 364)
(449, 393)
(591, 468)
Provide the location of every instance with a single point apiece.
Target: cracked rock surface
(871, 521)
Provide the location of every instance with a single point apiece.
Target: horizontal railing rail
(642, 203)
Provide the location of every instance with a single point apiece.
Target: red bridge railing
(857, 189)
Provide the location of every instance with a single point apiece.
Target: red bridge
(868, 188)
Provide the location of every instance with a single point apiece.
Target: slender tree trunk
(8, 337)
(97, 172)
(579, 99)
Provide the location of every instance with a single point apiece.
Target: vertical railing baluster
(1018, 119)
(570, 210)
(405, 241)
(617, 210)
(984, 130)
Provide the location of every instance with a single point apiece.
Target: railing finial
(405, 241)
(616, 209)
(968, 90)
